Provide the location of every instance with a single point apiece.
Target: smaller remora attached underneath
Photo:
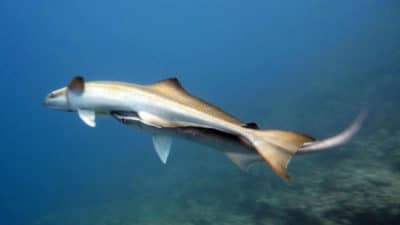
(167, 110)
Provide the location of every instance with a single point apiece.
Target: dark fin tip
(251, 125)
(173, 81)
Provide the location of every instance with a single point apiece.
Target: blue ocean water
(308, 66)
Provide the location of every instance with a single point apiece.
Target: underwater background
(309, 66)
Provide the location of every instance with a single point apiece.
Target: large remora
(167, 110)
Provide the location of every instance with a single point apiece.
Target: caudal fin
(277, 147)
(336, 140)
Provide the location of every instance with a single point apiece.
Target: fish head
(61, 99)
(57, 99)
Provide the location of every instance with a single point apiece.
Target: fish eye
(53, 95)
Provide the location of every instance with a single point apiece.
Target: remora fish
(167, 110)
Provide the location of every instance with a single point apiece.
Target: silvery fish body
(167, 110)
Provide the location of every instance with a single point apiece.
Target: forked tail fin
(277, 147)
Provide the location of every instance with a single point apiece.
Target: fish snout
(45, 101)
(56, 100)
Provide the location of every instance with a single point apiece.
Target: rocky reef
(356, 184)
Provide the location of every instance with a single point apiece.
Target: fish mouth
(47, 103)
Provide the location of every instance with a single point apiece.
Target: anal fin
(162, 144)
(243, 160)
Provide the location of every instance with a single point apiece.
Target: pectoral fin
(75, 89)
(87, 116)
(162, 144)
(77, 85)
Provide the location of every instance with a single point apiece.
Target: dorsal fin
(173, 89)
(170, 83)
